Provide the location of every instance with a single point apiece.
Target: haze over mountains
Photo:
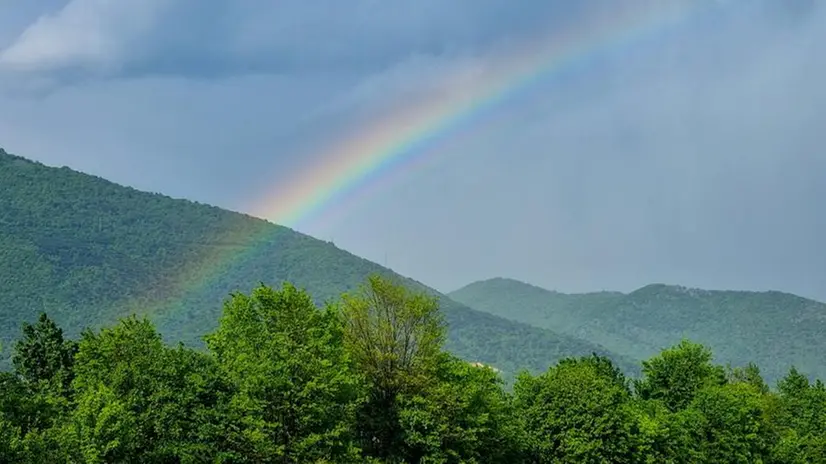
(773, 329)
(88, 252)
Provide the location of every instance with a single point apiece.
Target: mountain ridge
(88, 251)
(653, 285)
(775, 329)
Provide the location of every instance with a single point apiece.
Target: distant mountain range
(88, 251)
(773, 329)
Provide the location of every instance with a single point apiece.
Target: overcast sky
(692, 156)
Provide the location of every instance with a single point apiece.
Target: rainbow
(396, 143)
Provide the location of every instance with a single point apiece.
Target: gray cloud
(692, 156)
(695, 160)
(225, 37)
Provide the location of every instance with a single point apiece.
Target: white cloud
(85, 34)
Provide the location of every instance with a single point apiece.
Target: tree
(15, 415)
(17, 404)
(800, 416)
(464, 416)
(36, 399)
(794, 384)
(750, 374)
(660, 436)
(394, 337)
(729, 424)
(296, 394)
(43, 358)
(603, 366)
(10, 443)
(676, 374)
(575, 412)
(138, 400)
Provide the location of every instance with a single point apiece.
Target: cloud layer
(195, 38)
(691, 157)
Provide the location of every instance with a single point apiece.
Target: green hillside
(88, 251)
(775, 330)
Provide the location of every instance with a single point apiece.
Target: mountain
(775, 330)
(88, 251)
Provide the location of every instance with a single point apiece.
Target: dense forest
(772, 329)
(365, 378)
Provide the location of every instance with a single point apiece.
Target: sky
(691, 155)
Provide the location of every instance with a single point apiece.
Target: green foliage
(462, 416)
(287, 382)
(677, 374)
(750, 374)
(395, 336)
(576, 412)
(43, 358)
(21, 407)
(135, 396)
(296, 394)
(800, 416)
(729, 424)
(772, 329)
(9, 442)
(36, 399)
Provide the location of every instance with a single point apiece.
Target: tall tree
(297, 395)
(801, 418)
(395, 338)
(43, 358)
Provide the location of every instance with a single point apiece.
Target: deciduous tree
(297, 395)
(675, 375)
(395, 338)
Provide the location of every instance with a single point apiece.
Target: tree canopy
(366, 378)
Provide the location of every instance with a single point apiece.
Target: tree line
(365, 379)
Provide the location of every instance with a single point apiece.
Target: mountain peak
(503, 282)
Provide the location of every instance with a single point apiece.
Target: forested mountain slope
(88, 251)
(773, 329)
